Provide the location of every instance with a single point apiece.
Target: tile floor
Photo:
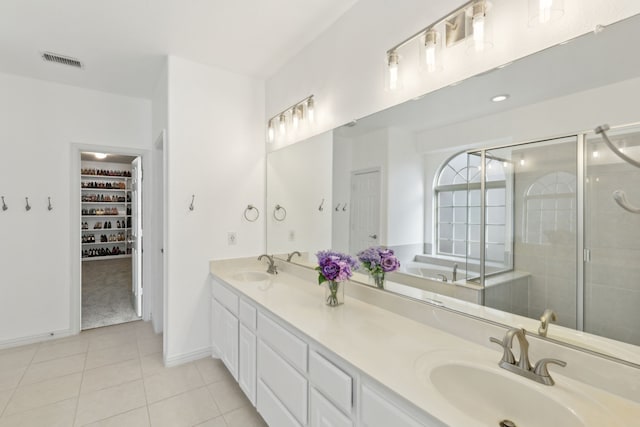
(114, 376)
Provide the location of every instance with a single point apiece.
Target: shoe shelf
(120, 190)
(105, 243)
(98, 258)
(110, 185)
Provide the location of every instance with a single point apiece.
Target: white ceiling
(123, 42)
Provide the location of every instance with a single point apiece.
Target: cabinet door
(378, 411)
(247, 363)
(225, 333)
(324, 414)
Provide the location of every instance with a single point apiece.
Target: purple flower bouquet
(334, 268)
(378, 261)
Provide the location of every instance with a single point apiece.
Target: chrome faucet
(292, 254)
(538, 373)
(547, 317)
(442, 276)
(272, 269)
(454, 275)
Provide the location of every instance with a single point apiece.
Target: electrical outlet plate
(232, 238)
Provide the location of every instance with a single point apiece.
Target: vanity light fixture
(500, 98)
(311, 109)
(302, 111)
(544, 11)
(100, 156)
(481, 30)
(283, 124)
(393, 69)
(470, 22)
(431, 50)
(271, 132)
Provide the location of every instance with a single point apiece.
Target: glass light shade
(295, 117)
(283, 124)
(544, 11)
(392, 75)
(311, 110)
(480, 34)
(271, 132)
(430, 51)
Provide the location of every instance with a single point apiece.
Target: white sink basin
(487, 394)
(251, 276)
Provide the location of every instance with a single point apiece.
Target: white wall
(38, 123)
(299, 178)
(216, 151)
(344, 66)
(405, 191)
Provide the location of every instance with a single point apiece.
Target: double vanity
(382, 360)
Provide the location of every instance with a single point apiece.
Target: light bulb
(100, 156)
(544, 11)
(478, 32)
(596, 154)
(392, 63)
(296, 118)
(283, 124)
(430, 46)
(271, 132)
(521, 162)
(311, 111)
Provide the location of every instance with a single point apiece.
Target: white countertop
(385, 346)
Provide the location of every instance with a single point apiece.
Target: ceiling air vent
(61, 59)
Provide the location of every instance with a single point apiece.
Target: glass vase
(378, 279)
(333, 293)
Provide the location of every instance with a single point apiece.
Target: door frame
(75, 289)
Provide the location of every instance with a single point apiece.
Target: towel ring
(249, 209)
(279, 217)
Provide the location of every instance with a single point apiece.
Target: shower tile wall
(612, 291)
(545, 240)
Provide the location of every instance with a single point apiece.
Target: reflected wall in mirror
(534, 226)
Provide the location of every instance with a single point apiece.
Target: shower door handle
(586, 256)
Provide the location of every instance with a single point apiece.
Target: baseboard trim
(180, 359)
(31, 339)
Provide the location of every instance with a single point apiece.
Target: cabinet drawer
(324, 414)
(284, 381)
(273, 412)
(288, 345)
(226, 297)
(331, 380)
(248, 315)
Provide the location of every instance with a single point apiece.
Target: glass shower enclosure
(546, 230)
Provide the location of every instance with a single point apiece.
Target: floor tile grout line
(13, 392)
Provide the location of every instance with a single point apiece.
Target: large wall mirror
(507, 208)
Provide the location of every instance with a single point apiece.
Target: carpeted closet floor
(106, 293)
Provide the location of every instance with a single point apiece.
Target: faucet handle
(507, 355)
(541, 366)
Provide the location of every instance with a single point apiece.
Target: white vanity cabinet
(291, 380)
(225, 332)
(247, 351)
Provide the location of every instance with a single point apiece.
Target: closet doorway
(111, 233)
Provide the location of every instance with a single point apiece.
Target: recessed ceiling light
(500, 98)
(100, 156)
